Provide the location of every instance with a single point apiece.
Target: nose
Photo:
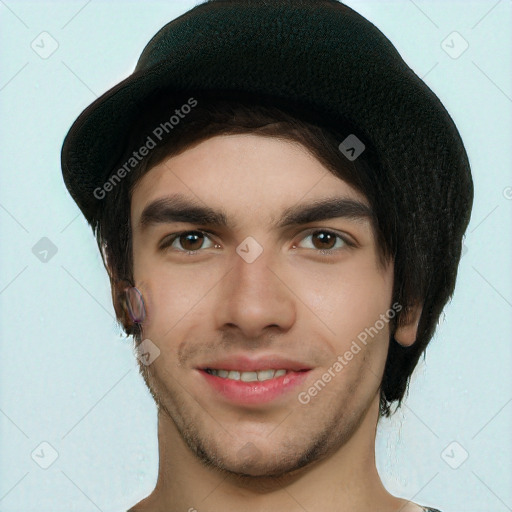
(256, 297)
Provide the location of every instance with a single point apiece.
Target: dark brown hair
(217, 114)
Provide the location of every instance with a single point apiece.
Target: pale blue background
(70, 379)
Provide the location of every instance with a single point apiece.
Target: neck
(346, 480)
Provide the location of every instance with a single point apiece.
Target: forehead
(244, 174)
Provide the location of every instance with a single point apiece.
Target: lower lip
(255, 392)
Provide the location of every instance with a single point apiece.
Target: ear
(407, 329)
(118, 289)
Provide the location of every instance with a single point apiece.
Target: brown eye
(189, 241)
(326, 242)
(323, 240)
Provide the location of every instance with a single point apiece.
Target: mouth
(254, 376)
(252, 387)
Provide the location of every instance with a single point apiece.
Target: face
(247, 291)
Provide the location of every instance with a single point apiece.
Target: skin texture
(291, 301)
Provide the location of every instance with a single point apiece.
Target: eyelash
(168, 241)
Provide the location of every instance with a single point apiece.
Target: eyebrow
(178, 208)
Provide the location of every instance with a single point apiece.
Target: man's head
(254, 157)
(413, 289)
(293, 301)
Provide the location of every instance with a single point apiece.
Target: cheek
(347, 298)
(173, 299)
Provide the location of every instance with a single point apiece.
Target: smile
(259, 375)
(251, 387)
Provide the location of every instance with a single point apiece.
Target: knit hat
(320, 54)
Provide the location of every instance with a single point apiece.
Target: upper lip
(251, 364)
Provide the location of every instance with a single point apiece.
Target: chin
(258, 462)
(261, 469)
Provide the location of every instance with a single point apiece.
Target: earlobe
(120, 306)
(135, 304)
(407, 330)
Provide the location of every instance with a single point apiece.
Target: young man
(280, 204)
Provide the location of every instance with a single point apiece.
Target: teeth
(260, 375)
(265, 375)
(249, 376)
